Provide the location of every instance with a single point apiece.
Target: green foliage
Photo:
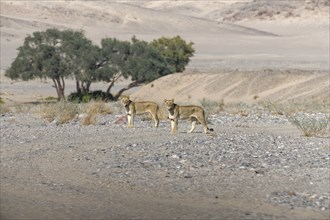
(145, 62)
(51, 54)
(89, 96)
(39, 57)
(59, 55)
(176, 51)
(50, 98)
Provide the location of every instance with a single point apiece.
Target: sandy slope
(237, 86)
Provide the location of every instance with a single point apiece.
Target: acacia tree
(144, 64)
(58, 55)
(50, 54)
(113, 55)
(139, 60)
(80, 56)
(177, 52)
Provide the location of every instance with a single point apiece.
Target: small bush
(89, 119)
(310, 125)
(97, 95)
(51, 98)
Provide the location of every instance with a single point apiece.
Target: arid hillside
(237, 86)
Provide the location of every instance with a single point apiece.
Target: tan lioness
(191, 112)
(135, 108)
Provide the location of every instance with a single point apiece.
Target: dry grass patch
(212, 107)
(92, 109)
(4, 109)
(61, 111)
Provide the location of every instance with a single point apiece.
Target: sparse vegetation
(4, 109)
(310, 125)
(284, 108)
(303, 116)
(93, 109)
(212, 107)
(50, 98)
(62, 112)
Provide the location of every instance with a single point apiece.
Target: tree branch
(131, 85)
(114, 79)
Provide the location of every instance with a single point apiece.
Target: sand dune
(238, 86)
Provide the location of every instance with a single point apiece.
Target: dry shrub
(302, 116)
(116, 107)
(212, 107)
(4, 109)
(61, 111)
(89, 119)
(310, 125)
(93, 109)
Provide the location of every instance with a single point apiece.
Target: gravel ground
(253, 167)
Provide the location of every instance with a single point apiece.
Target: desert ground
(255, 165)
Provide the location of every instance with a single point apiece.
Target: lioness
(193, 112)
(135, 108)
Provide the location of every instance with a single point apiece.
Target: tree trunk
(114, 79)
(131, 85)
(88, 85)
(84, 87)
(59, 86)
(78, 87)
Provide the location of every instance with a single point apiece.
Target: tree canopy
(65, 54)
(176, 51)
(50, 54)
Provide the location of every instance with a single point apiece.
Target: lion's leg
(130, 119)
(193, 125)
(203, 122)
(155, 118)
(205, 129)
(174, 126)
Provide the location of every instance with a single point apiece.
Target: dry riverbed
(254, 167)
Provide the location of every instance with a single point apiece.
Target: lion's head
(169, 103)
(125, 100)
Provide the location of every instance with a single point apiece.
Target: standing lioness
(135, 108)
(192, 112)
